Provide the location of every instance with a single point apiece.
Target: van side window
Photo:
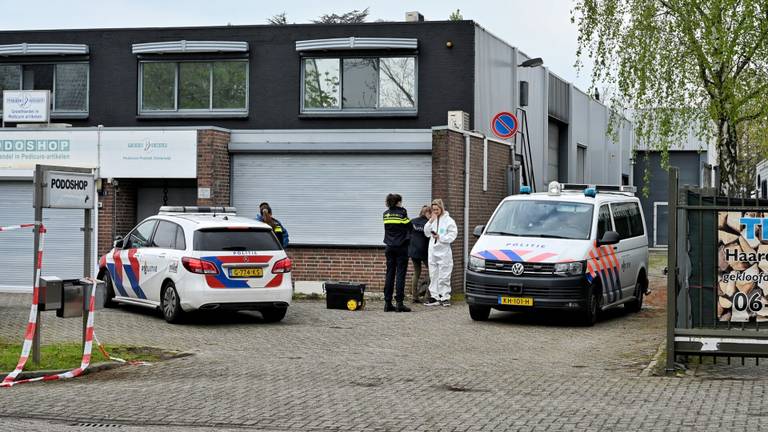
(629, 223)
(604, 223)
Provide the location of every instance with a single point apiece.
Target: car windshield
(548, 219)
(235, 239)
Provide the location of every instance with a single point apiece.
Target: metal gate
(717, 280)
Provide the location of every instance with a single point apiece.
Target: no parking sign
(504, 124)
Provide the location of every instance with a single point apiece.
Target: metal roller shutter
(63, 253)
(330, 199)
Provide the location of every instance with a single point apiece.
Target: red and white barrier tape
(84, 363)
(16, 227)
(108, 356)
(32, 323)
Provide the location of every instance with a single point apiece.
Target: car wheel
(109, 298)
(171, 304)
(479, 313)
(272, 315)
(636, 304)
(592, 309)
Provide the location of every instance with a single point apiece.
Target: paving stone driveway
(433, 369)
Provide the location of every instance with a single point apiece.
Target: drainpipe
(466, 207)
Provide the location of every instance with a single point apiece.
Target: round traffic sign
(504, 124)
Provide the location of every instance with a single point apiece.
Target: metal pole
(672, 269)
(86, 268)
(38, 203)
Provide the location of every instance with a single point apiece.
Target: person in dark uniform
(265, 215)
(397, 231)
(418, 252)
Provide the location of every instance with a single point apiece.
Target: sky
(539, 28)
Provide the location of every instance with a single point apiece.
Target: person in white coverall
(442, 231)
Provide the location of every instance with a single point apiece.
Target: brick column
(118, 204)
(213, 166)
(448, 167)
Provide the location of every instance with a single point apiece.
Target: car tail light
(194, 265)
(283, 266)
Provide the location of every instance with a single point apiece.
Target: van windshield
(548, 219)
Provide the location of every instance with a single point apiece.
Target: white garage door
(63, 253)
(330, 199)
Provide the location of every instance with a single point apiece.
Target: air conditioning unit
(414, 17)
(458, 120)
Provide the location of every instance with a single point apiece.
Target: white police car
(189, 258)
(574, 247)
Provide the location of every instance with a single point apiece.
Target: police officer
(397, 229)
(265, 215)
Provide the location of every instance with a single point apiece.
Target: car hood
(530, 249)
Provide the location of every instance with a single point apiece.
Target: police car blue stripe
(134, 282)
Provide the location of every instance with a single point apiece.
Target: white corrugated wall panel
(330, 199)
(63, 253)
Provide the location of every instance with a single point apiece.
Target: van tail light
(194, 265)
(285, 265)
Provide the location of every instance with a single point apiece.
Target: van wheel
(479, 313)
(273, 315)
(170, 304)
(592, 309)
(109, 299)
(636, 304)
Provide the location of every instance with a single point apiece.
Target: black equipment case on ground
(344, 295)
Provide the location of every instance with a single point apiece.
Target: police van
(199, 258)
(577, 248)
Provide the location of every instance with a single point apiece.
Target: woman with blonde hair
(442, 231)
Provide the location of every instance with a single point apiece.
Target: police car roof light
(196, 209)
(554, 188)
(590, 192)
(525, 190)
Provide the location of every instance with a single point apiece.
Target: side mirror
(609, 238)
(478, 230)
(118, 242)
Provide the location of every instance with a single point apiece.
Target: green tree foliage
(683, 64)
(456, 16)
(351, 17)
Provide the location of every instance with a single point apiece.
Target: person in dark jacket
(397, 232)
(265, 215)
(418, 252)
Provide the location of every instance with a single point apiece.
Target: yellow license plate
(246, 272)
(516, 301)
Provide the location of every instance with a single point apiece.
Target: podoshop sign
(742, 266)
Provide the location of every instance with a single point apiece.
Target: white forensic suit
(440, 256)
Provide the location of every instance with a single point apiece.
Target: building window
(190, 87)
(68, 83)
(359, 84)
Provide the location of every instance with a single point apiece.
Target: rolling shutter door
(330, 199)
(63, 253)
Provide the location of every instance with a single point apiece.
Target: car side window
(165, 235)
(181, 244)
(604, 223)
(635, 220)
(622, 215)
(139, 237)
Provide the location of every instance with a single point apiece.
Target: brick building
(321, 121)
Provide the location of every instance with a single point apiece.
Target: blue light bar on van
(525, 190)
(590, 192)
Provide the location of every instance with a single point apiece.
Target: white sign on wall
(22, 150)
(26, 106)
(120, 154)
(148, 154)
(68, 190)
